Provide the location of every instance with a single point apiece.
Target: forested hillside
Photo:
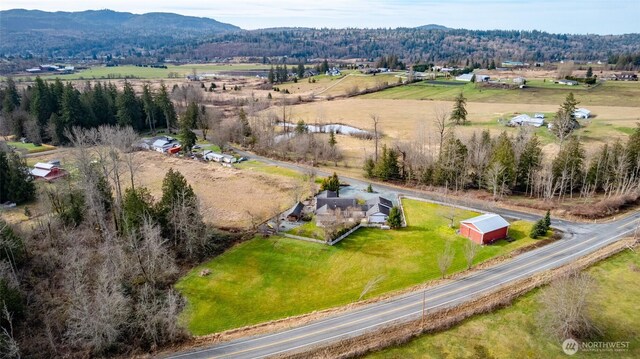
(413, 44)
(91, 32)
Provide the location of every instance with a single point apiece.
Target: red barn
(485, 229)
(48, 171)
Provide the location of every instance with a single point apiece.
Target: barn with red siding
(485, 229)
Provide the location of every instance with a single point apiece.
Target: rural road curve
(580, 239)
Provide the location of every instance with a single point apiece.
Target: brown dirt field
(226, 194)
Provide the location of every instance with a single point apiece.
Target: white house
(582, 113)
(164, 143)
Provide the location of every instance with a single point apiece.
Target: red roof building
(485, 229)
(47, 171)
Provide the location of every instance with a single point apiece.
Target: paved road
(581, 239)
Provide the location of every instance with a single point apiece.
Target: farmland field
(611, 93)
(338, 86)
(128, 71)
(265, 279)
(513, 332)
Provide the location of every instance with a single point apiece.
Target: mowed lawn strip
(266, 279)
(513, 332)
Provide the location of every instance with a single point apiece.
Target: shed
(485, 228)
(295, 213)
(582, 113)
(526, 120)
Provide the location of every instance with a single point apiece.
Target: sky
(556, 16)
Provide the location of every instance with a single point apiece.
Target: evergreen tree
(567, 167)
(11, 99)
(41, 101)
(176, 191)
(332, 139)
(589, 72)
(129, 112)
(633, 152)
(529, 162)
(459, 112)
(137, 205)
(395, 218)
(165, 105)
(324, 67)
(72, 113)
(331, 183)
(16, 184)
(538, 229)
(301, 127)
(149, 107)
(547, 220)
(191, 115)
(272, 75)
(300, 70)
(387, 167)
(369, 167)
(187, 135)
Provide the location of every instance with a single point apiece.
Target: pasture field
(266, 279)
(351, 81)
(414, 119)
(513, 332)
(610, 93)
(129, 71)
(30, 147)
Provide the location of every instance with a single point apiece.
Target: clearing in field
(266, 279)
(512, 331)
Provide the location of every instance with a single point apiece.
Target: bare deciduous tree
(470, 251)
(565, 306)
(441, 115)
(445, 259)
(376, 120)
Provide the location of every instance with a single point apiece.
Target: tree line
(45, 111)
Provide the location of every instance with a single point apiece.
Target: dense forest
(414, 44)
(46, 112)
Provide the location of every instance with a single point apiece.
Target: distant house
(526, 120)
(567, 82)
(513, 64)
(48, 171)
(625, 76)
(465, 77)
(295, 213)
(582, 113)
(483, 78)
(519, 81)
(218, 157)
(485, 228)
(334, 72)
(539, 115)
(162, 144)
(310, 73)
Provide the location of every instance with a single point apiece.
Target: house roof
(380, 200)
(333, 203)
(38, 172)
(378, 208)
(296, 210)
(465, 77)
(160, 143)
(526, 119)
(487, 222)
(44, 166)
(327, 194)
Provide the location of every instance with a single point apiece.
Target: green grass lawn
(128, 71)
(270, 169)
(266, 279)
(30, 147)
(308, 229)
(611, 93)
(513, 332)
